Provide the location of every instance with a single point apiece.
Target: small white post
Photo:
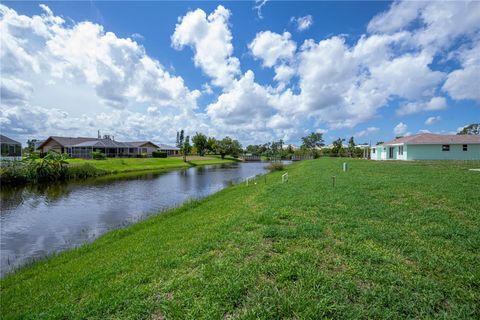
(285, 177)
(345, 167)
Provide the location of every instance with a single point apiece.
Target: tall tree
(31, 145)
(200, 142)
(312, 141)
(229, 146)
(338, 147)
(236, 148)
(290, 149)
(186, 148)
(351, 147)
(274, 146)
(472, 129)
(180, 139)
(212, 144)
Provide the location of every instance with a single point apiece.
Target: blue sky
(144, 70)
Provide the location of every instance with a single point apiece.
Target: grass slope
(391, 240)
(118, 165)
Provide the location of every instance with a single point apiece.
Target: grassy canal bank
(120, 165)
(390, 240)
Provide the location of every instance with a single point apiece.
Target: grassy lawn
(391, 240)
(137, 164)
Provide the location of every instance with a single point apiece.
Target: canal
(37, 221)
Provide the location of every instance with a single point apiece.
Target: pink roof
(431, 138)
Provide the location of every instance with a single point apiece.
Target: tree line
(312, 145)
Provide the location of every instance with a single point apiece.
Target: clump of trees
(271, 150)
(200, 142)
(338, 149)
(228, 146)
(203, 145)
(313, 143)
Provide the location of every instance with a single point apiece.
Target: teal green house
(429, 146)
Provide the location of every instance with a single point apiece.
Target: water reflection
(42, 219)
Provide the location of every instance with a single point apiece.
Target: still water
(37, 221)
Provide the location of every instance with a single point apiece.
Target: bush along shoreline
(51, 168)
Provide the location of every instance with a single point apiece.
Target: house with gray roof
(429, 146)
(10, 149)
(82, 147)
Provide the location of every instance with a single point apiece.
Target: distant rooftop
(104, 143)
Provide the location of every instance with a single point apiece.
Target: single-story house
(82, 147)
(429, 146)
(169, 150)
(10, 149)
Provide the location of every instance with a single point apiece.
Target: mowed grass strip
(390, 240)
(119, 165)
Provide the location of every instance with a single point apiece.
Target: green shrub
(52, 167)
(159, 154)
(142, 155)
(275, 166)
(98, 155)
(12, 173)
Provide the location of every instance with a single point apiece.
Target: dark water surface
(39, 220)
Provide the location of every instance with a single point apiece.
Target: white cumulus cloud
(436, 103)
(400, 129)
(463, 83)
(272, 47)
(432, 120)
(211, 40)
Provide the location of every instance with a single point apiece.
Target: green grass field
(118, 165)
(391, 240)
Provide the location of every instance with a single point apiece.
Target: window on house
(465, 147)
(373, 150)
(400, 150)
(445, 147)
